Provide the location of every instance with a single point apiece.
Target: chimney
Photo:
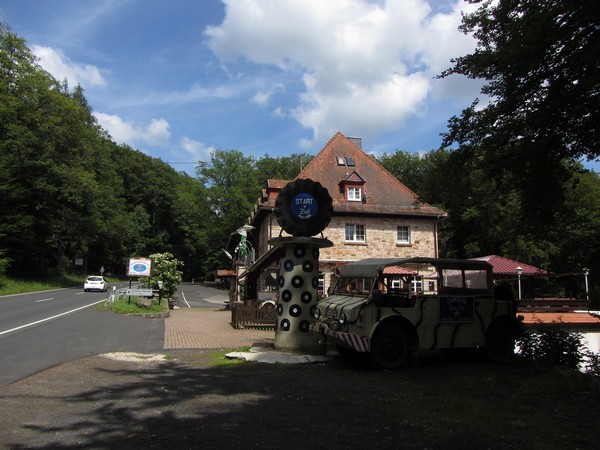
(356, 141)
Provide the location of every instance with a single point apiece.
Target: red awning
(397, 270)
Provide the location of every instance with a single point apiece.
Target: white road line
(185, 300)
(44, 300)
(50, 318)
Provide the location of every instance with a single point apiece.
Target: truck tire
(290, 222)
(390, 348)
(500, 344)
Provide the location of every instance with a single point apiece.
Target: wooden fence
(249, 315)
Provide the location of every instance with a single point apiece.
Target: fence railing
(552, 304)
(250, 315)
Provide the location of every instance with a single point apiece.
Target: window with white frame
(353, 194)
(402, 235)
(355, 233)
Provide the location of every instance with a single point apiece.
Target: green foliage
(10, 286)
(166, 269)
(124, 305)
(554, 346)
(539, 63)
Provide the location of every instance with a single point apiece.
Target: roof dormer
(352, 186)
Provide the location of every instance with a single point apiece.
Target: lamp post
(586, 272)
(519, 270)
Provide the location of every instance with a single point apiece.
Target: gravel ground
(113, 401)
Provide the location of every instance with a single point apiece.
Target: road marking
(185, 300)
(44, 300)
(50, 318)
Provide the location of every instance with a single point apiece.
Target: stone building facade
(374, 215)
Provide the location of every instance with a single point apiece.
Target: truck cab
(393, 308)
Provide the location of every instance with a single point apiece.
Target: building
(374, 215)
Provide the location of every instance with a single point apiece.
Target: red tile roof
(562, 318)
(505, 266)
(385, 194)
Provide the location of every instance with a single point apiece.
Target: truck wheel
(291, 219)
(390, 348)
(500, 344)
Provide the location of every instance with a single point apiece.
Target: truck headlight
(316, 312)
(342, 319)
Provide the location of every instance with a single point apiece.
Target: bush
(555, 346)
(166, 269)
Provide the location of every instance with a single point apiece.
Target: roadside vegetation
(125, 305)
(10, 286)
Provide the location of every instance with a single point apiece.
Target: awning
(265, 260)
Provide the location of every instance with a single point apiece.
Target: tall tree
(232, 189)
(539, 59)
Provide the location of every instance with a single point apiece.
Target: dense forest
(515, 188)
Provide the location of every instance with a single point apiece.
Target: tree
(283, 168)
(540, 63)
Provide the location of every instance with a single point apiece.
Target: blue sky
(177, 79)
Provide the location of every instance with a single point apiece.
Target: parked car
(420, 304)
(95, 283)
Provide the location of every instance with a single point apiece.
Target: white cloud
(155, 133)
(262, 98)
(196, 149)
(61, 68)
(366, 67)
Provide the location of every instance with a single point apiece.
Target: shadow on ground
(98, 402)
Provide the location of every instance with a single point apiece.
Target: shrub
(166, 269)
(555, 346)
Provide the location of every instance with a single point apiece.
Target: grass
(219, 360)
(125, 306)
(11, 286)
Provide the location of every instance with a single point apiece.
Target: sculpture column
(298, 282)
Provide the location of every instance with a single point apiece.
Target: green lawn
(9, 286)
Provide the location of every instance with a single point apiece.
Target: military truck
(395, 308)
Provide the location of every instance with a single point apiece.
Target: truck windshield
(353, 286)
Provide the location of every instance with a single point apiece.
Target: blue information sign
(304, 206)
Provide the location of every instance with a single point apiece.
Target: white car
(95, 283)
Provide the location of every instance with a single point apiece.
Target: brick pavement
(205, 328)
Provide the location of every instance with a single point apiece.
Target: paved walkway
(205, 328)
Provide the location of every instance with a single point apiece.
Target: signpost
(136, 268)
(138, 292)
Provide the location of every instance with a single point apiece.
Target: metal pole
(586, 272)
(519, 271)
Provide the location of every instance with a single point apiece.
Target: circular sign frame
(303, 207)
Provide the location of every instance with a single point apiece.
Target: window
(403, 235)
(465, 279)
(355, 233)
(353, 194)
(341, 161)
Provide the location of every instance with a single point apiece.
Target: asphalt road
(43, 329)
(199, 296)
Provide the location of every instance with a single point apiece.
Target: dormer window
(353, 193)
(353, 187)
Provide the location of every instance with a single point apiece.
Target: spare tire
(303, 208)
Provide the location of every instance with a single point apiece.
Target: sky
(177, 79)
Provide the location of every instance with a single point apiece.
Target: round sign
(304, 206)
